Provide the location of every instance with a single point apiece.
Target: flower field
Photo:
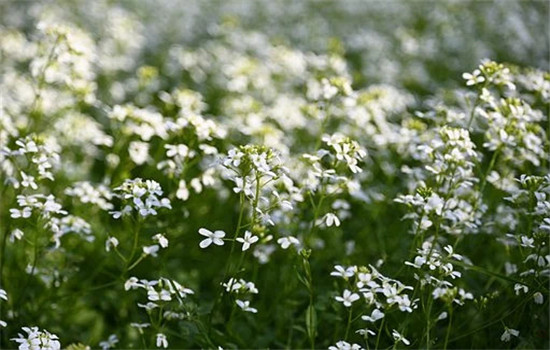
(274, 174)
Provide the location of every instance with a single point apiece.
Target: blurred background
(420, 45)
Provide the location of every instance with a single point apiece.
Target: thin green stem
(131, 267)
(428, 322)
(379, 333)
(227, 265)
(348, 326)
(449, 326)
(134, 246)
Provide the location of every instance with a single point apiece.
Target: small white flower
(473, 78)
(151, 250)
(375, 316)
(399, 338)
(344, 345)
(140, 326)
(161, 239)
(3, 295)
(132, 283)
(347, 298)
(539, 298)
(340, 271)
(245, 306)
(331, 219)
(111, 242)
(212, 237)
(109, 343)
(139, 152)
(527, 242)
(365, 332)
(508, 333)
(183, 191)
(16, 234)
(161, 341)
(285, 242)
(28, 181)
(25, 213)
(247, 240)
(154, 295)
(518, 288)
(148, 306)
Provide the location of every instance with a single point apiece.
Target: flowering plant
(241, 175)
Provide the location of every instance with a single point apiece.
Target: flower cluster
(143, 197)
(379, 293)
(36, 339)
(41, 154)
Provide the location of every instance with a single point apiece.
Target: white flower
(539, 298)
(140, 326)
(375, 316)
(180, 151)
(3, 295)
(399, 338)
(161, 239)
(28, 181)
(247, 240)
(332, 219)
(154, 295)
(285, 242)
(344, 345)
(518, 288)
(527, 242)
(161, 341)
(343, 272)
(132, 283)
(151, 250)
(139, 152)
(212, 237)
(148, 306)
(109, 343)
(347, 298)
(508, 333)
(25, 213)
(474, 78)
(365, 332)
(245, 305)
(16, 234)
(183, 191)
(243, 185)
(111, 242)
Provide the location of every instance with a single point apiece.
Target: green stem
(449, 326)
(33, 268)
(348, 324)
(379, 333)
(134, 246)
(136, 262)
(227, 265)
(476, 102)
(491, 165)
(428, 322)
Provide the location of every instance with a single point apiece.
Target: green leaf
(311, 321)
